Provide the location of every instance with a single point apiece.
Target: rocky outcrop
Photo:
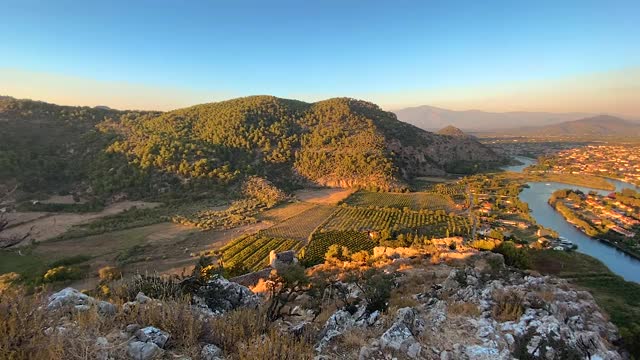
(220, 295)
(488, 311)
(70, 298)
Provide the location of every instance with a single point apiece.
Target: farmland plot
(300, 227)
(414, 201)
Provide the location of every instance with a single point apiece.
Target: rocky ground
(475, 309)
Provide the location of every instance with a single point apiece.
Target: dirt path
(50, 225)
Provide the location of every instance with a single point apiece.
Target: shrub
(109, 273)
(508, 306)
(376, 288)
(337, 252)
(8, 280)
(513, 256)
(360, 256)
(153, 286)
(62, 273)
(487, 245)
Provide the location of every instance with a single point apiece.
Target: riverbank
(579, 210)
(589, 181)
(585, 231)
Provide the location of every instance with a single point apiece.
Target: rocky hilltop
(474, 307)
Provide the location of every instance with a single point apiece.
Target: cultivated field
(354, 240)
(252, 251)
(414, 201)
(301, 226)
(431, 223)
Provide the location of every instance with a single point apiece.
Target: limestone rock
(139, 350)
(211, 352)
(154, 335)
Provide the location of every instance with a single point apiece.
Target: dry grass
(508, 305)
(242, 334)
(273, 345)
(463, 309)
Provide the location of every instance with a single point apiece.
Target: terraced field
(414, 201)
(301, 226)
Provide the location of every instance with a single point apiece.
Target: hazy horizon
(495, 57)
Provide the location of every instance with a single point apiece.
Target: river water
(537, 196)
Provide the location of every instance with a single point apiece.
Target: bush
(376, 288)
(109, 273)
(62, 273)
(154, 286)
(360, 256)
(513, 256)
(508, 306)
(337, 252)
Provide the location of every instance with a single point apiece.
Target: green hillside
(336, 142)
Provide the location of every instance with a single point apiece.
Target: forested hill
(336, 142)
(46, 147)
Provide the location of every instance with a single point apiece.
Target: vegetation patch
(414, 201)
(436, 224)
(301, 226)
(251, 252)
(354, 241)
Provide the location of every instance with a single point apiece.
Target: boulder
(401, 335)
(69, 297)
(139, 350)
(154, 335)
(221, 295)
(337, 324)
(106, 308)
(211, 352)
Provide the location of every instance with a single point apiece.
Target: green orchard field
(321, 241)
(427, 222)
(252, 251)
(414, 201)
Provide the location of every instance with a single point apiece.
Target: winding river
(537, 196)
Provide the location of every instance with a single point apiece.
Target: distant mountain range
(602, 125)
(432, 118)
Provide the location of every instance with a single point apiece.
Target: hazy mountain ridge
(601, 125)
(432, 118)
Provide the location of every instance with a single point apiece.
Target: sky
(561, 56)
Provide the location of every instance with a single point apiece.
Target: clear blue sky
(323, 47)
